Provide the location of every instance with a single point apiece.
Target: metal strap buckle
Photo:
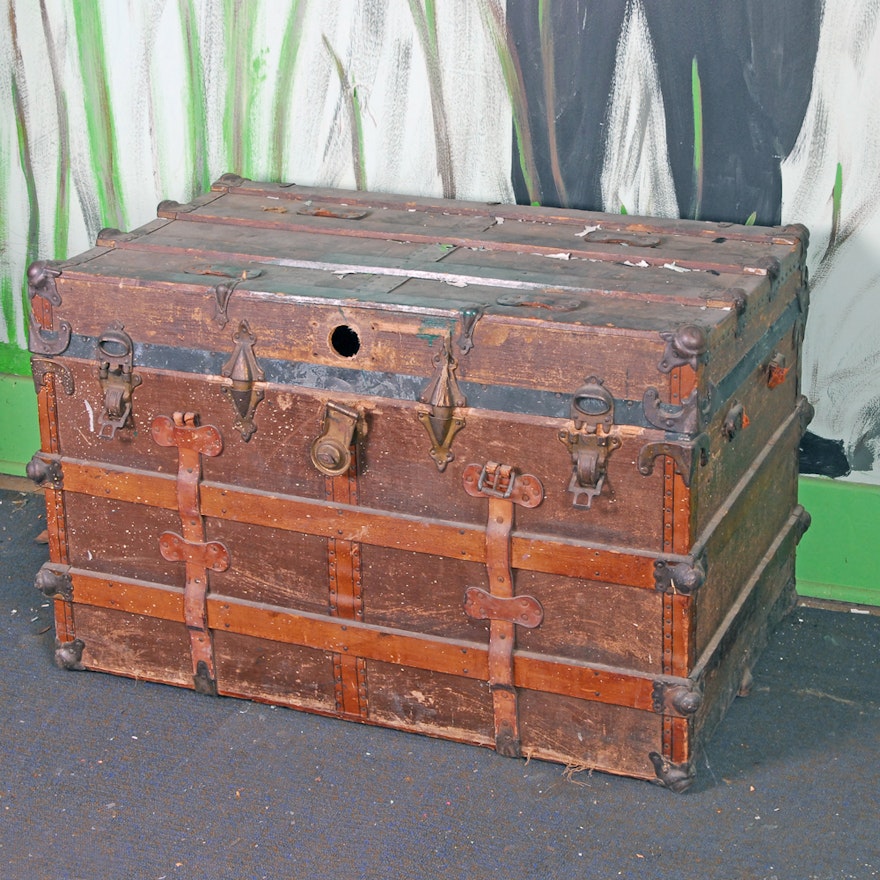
(496, 480)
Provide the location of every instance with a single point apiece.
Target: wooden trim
(362, 525)
(557, 675)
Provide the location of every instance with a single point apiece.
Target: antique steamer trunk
(519, 477)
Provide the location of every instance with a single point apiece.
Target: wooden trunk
(519, 477)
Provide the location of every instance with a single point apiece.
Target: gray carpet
(104, 777)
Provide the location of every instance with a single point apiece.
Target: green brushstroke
(62, 174)
(836, 200)
(100, 125)
(623, 209)
(32, 243)
(355, 120)
(196, 121)
(752, 218)
(548, 55)
(284, 88)
(5, 269)
(508, 58)
(697, 96)
(239, 39)
(245, 80)
(425, 20)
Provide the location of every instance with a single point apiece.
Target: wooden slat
(556, 675)
(698, 230)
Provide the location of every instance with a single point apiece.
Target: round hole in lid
(345, 341)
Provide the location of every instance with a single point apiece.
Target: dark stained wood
(263, 670)
(140, 647)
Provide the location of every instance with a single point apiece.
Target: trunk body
(513, 476)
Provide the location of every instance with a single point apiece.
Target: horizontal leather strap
(465, 541)
(557, 675)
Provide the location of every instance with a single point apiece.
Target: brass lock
(588, 441)
(244, 374)
(331, 451)
(115, 356)
(442, 417)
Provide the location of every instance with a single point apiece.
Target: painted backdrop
(747, 111)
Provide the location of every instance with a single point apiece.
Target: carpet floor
(106, 778)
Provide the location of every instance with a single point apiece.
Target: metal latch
(115, 355)
(244, 373)
(588, 440)
(442, 418)
(331, 451)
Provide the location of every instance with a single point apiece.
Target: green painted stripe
(352, 104)
(508, 58)
(62, 174)
(697, 98)
(836, 557)
(196, 115)
(15, 287)
(103, 152)
(284, 88)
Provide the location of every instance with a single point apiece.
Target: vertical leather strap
(192, 442)
(504, 488)
(346, 599)
(501, 632)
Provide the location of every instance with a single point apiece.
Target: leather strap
(346, 600)
(192, 441)
(504, 488)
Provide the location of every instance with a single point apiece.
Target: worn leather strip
(502, 636)
(192, 441)
(464, 541)
(504, 488)
(346, 600)
(523, 610)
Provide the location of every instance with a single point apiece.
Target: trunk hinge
(499, 605)
(42, 338)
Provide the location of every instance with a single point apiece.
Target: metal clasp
(244, 373)
(496, 480)
(331, 451)
(115, 355)
(588, 441)
(442, 418)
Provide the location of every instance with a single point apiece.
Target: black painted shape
(821, 456)
(584, 41)
(756, 62)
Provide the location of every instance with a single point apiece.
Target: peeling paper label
(676, 268)
(587, 230)
(642, 264)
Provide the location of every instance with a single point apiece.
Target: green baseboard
(835, 558)
(19, 425)
(14, 361)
